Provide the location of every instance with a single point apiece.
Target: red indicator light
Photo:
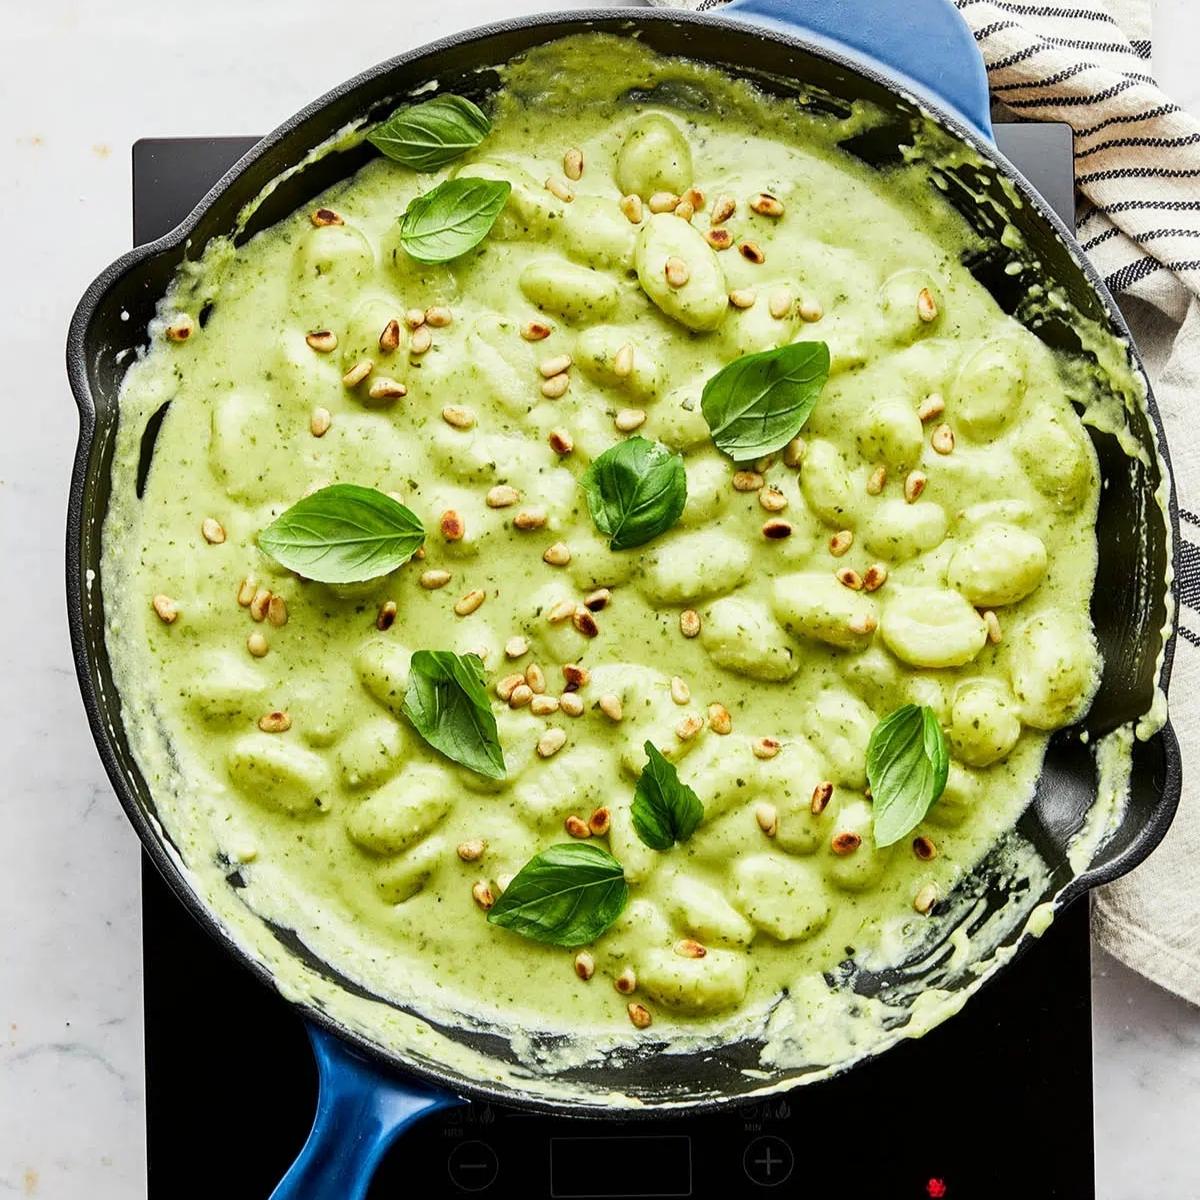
(936, 1188)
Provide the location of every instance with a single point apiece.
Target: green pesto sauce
(345, 826)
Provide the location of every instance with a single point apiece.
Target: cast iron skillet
(845, 50)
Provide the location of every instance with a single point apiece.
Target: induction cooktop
(996, 1103)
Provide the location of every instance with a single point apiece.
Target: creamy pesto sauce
(369, 878)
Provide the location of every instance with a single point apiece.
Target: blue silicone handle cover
(924, 44)
(361, 1110)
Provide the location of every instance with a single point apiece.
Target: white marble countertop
(82, 80)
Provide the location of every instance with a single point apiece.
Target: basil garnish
(343, 534)
(448, 707)
(907, 766)
(759, 402)
(429, 135)
(635, 491)
(452, 218)
(665, 811)
(567, 895)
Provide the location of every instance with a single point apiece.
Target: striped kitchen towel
(1137, 167)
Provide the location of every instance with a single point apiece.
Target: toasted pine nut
(543, 706)
(767, 205)
(557, 555)
(766, 747)
(677, 272)
(414, 318)
(556, 387)
(689, 622)
(841, 542)
(779, 303)
(753, 252)
(914, 485)
(561, 442)
(994, 632)
(434, 578)
(323, 341)
(509, 684)
(874, 577)
(564, 610)
(570, 704)
(747, 481)
(690, 948)
(560, 188)
(166, 609)
(663, 202)
(325, 216)
(181, 328)
(876, 480)
(516, 647)
(576, 676)
(793, 452)
(212, 530)
(522, 694)
(772, 499)
(597, 600)
(550, 367)
(718, 239)
(550, 743)
(530, 518)
(626, 982)
(849, 577)
(943, 439)
(536, 331)
(277, 721)
(927, 308)
(925, 898)
(863, 623)
(584, 622)
(585, 965)
(573, 163)
(821, 796)
(277, 612)
(439, 316)
(810, 310)
(600, 822)
(631, 206)
(482, 894)
(257, 644)
(421, 341)
(536, 678)
(610, 706)
(320, 421)
(629, 419)
(358, 372)
(502, 496)
(695, 197)
(623, 361)
(386, 617)
(639, 1014)
(575, 825)
(932, 406)
(680, 692)
(260, 603)
(389, 338)
(246, 591)
(722, 209)
(924, 848)
(776, 529)
(452, 525)
(384, 389)
(471, 851)
(685, 210)
(743, 297)
(845, 842)
(767, 817)
(719, 720)
(458, 417)
(687, 729)
(467, 604)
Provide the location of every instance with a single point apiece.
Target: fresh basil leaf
(452, 218)
(664, 811)
(567, 895)
(907, 765)
(635, 491)
(448, 706)
(429, 135)
(343, 534)
(759, 402)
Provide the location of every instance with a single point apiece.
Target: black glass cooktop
(996, 1103)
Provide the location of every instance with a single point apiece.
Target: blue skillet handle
(925, 42)
(361, 1110)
